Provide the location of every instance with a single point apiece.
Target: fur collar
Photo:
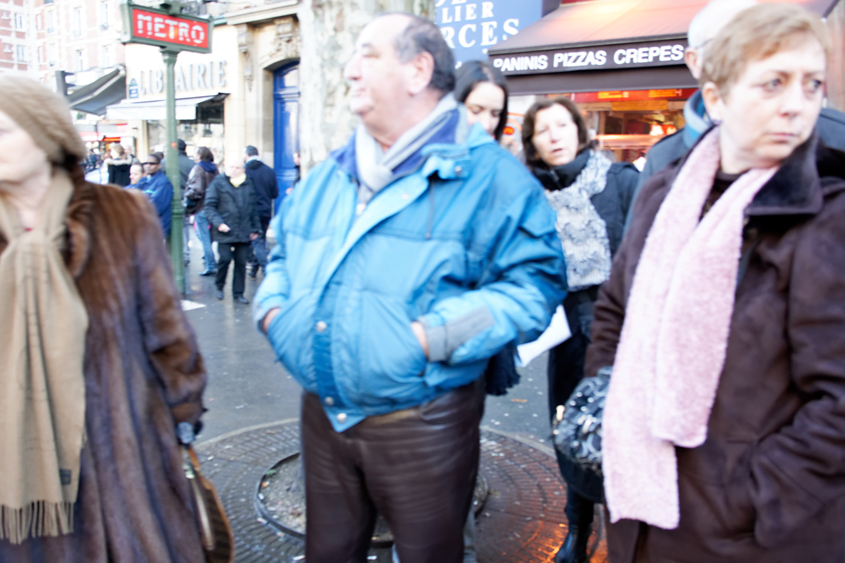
(800, 184)
(78, 221)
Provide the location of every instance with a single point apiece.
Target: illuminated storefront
(622, 61)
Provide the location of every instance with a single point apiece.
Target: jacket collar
(78, 221)
(451, 143)
(795, 189)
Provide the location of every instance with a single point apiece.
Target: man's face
(379, 81)
(136, 172)
(151, 165)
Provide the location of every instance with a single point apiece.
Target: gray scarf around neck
(375, 166)
(582, 231)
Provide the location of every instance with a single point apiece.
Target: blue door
(285, 126)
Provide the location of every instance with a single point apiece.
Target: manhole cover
(280, 500)
(522, 519)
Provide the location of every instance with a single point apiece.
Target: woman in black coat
(590, 196)
(230, 208)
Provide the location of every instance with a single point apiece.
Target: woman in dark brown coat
(119, 495)
(724, 321)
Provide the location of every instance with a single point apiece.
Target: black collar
(796, 188)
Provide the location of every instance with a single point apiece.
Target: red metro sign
(177, 32)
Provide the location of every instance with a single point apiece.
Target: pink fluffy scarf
(674, 339)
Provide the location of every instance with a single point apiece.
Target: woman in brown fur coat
(90, 467)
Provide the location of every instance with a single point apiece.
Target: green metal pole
(172, 172)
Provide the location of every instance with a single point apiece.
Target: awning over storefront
(155, 110)
(94, 97)
(606, 45)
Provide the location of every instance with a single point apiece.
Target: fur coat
(143, 375)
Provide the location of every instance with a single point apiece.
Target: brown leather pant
(417, 467)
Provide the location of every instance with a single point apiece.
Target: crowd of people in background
(407, 267)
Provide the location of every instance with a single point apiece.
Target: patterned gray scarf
(582, 232)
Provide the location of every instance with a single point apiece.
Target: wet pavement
(253, 406)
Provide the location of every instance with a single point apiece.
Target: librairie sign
(636, 55)
(178, 32)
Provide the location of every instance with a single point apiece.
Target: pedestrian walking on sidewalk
(403, 263)
(230, 208)
(266, 191)
(200, 177)
(98, 363)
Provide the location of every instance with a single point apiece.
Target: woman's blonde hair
(755, 34)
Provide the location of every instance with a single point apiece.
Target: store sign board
(150, 26)
(605, 57)
(632, 95)
(471, 27)
(193, 76)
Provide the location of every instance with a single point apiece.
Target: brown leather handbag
(218, 542)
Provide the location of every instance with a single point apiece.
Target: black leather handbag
(578, 424)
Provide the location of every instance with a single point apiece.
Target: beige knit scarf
(42, 391)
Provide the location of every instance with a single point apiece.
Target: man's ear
(420, 71)
(693, 61)
(713, 101)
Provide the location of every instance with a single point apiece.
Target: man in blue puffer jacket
(403, 263)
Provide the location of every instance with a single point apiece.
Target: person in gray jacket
(230, 208)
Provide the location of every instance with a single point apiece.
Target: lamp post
(169, 29)
(172, 170)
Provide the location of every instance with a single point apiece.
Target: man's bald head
(706, 24)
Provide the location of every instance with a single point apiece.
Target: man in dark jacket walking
(230, 208)
(266, 191)
(185, 165)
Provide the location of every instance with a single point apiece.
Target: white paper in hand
(557, 332)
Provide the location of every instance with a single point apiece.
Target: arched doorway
(285, 126)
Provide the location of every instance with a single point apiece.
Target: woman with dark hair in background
(203, 172)
(590, 196)
(481, 88)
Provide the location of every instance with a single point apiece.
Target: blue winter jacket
(463, 240)
(160, 191)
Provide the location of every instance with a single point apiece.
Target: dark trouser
(417, 467)
(258, 251)
(226, 251)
